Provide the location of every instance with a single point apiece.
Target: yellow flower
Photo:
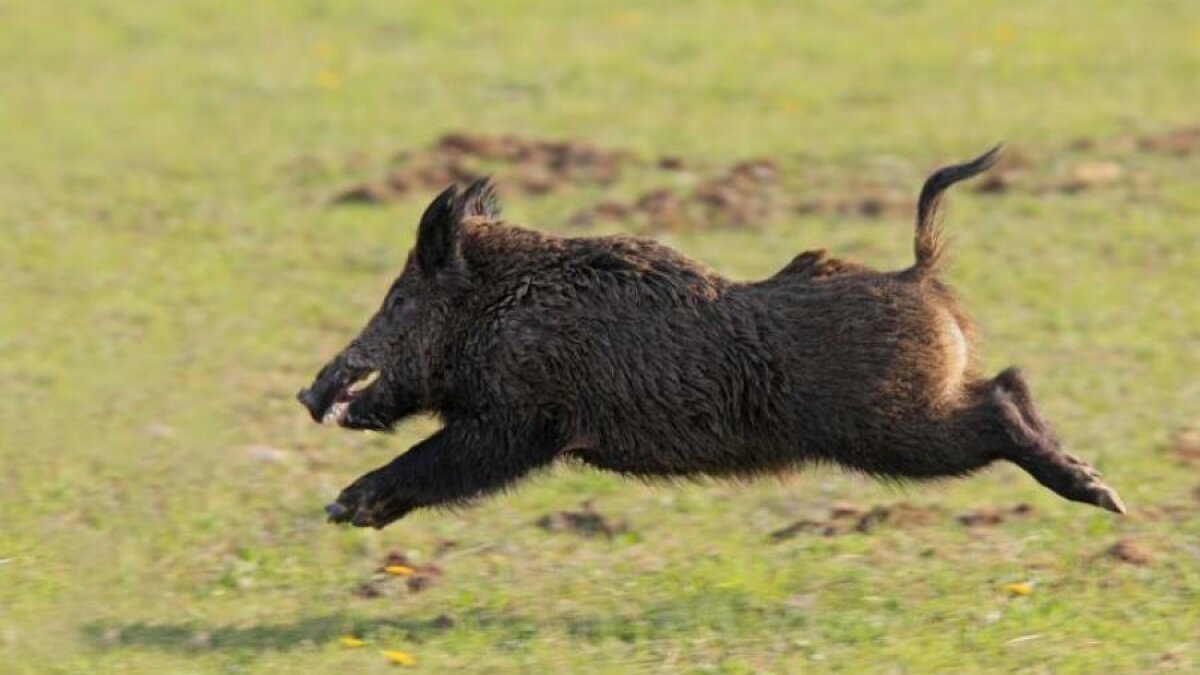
(793, 105)
(399, 570)
(328, 79)
(399, 657)
(324, 51)
(1003, 35)
(625, 19)
(1019, 588)
(350, 641)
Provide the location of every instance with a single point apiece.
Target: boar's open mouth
(345, 396)
(334, 390)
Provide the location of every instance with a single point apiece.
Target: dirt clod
(799, 527)
(748, 193)
(862, 202)
(989, 517)
(1088, 175)
(423, 577)
(900, 515)
(416, 577)
(1081, 144)
(999, 181)
(363, 193)
(521, 165)
(1155, 513)
(443, 547)
(1181, 141)
(1185, 445)
(368, 590)
(585, 521)
(844, 510)
(740, 195)
(1129, 551)
(846, 518)
(395, 558)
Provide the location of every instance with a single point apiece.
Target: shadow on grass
(197, 637)
(718, 610)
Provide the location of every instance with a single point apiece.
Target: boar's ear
(437, 235)
(479, 199)
(441, 226)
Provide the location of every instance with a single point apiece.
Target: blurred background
(200, 202)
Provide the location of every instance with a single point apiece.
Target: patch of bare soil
(992, 517)
(423, 577)
(694, 196)
(1018, 171)
(394, 559)
(1165, 512)
(1129, 551)
(443, 547)
(364, 193)
(585, 522)
(847, 518)
(369, 590)
(900, 515)
(1011, 172)
(1180, 141)
(520, 165)
(1185, 445)
(866, 202)
(740, 195)
(1093, 163)
(1091, 175)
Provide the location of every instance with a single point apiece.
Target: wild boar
(622, 353)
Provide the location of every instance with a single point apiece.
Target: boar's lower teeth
(336, 412)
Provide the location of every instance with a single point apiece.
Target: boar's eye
(393, 303)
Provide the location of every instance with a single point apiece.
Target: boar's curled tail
(928, 243)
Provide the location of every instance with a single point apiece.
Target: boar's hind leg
(1034, 448)
(464, 460)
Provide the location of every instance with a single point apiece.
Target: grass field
(170, 274)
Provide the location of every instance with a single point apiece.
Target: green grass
(169, 279)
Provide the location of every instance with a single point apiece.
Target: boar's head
(390, 369)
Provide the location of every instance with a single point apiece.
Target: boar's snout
(332, 385)
(313, 402)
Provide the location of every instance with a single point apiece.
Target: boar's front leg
(464, 460)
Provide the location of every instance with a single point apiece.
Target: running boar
(628, 356)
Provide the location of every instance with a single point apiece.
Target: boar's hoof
(336, 512)
(356, 516)
(362, 506)
(1107, 498)
(1085, 485)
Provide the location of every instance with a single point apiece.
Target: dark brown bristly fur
(628, 356)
